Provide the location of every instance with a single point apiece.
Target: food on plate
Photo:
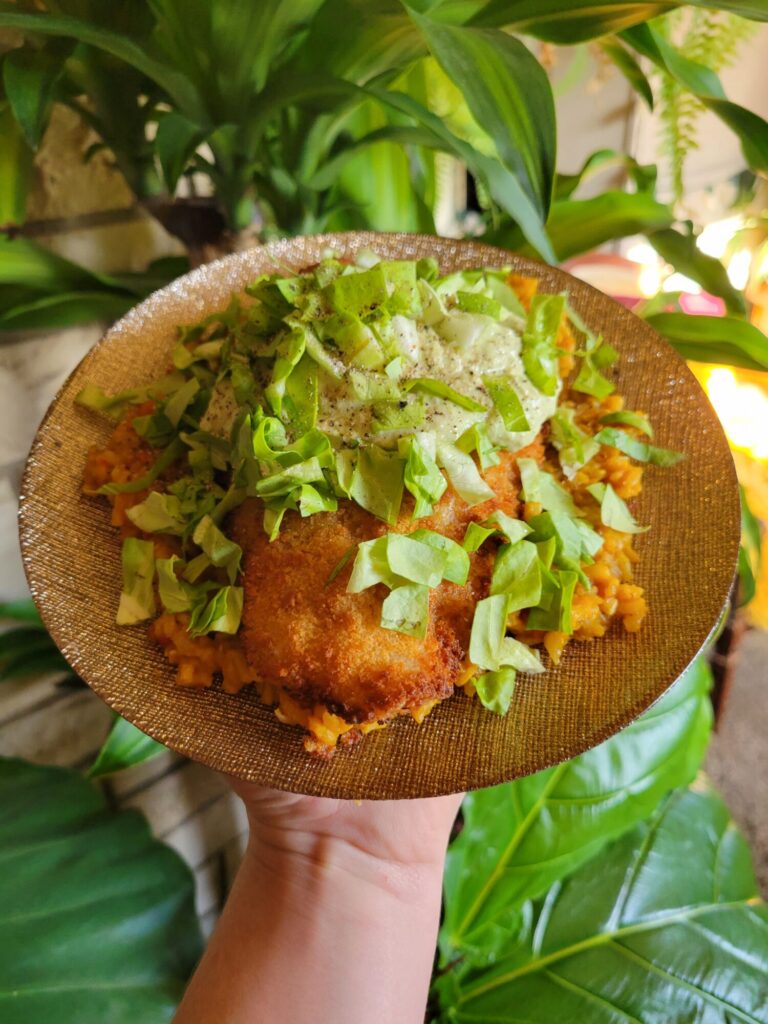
(366, 484)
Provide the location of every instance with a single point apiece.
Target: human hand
(389, 839)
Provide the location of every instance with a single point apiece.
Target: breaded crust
(325, 646)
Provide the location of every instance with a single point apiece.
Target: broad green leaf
(642, 175)
(511, 99)
(714, 339)
(20, 611)
(580, 225)
(15, 169)
(664, 925)
(750, 551)
(680, 250)
(751, 129)
(124, 746)
(521, 837)
(98, 919)
(64, 310)
(176, 140)
(629, 67)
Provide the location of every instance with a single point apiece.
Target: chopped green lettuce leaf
(176, 594)
(440, 390)
(286, 480)
(495, 689)
(614, 511)
(475, 536)
(517, 655)
(372, 566)
(488, 628)
(541, 487)
(423, 479)
(406, 609)
(539, 351)
(473, 302)
(167, 457)
(176, 405)
(196, 567)
(158, 513)
(223, 553)
(397, 416)
(575, 446)
(627, 418)
(559, 595)
(94, 397)
(475, 438)
(289, 352)
(507, 402)
(517, 575)
(463, 474)
(456, 560)
(510, 528)
(137, 600)
(415, 560)
(221, 614)
(639, 450)
(377, 482)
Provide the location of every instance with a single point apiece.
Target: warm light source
(742, 408)
(739, 267)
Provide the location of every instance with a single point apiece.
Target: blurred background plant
(214, 125)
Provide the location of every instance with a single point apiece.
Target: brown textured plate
(72, 559)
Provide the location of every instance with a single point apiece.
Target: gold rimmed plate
(72, 559)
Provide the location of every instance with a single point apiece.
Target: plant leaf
(629, 67)
(124, 746)
(665, 925)
(30, 77)
(580, 225)
(511, 99)
(680, 250)
(98, 917)
(176, 140)
(521, 837)
(751, 129)
(643, 175)
(714, 339)
(15, 169)
(64, 310)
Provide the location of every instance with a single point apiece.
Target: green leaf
(132, 51)
(640, 450)
(50, 312)
(495, 689)
(629, 67)
(30, 77)
(406, 609)
(751, 129)
(222, 614)
(511, 99)
(680, 250)
(489, 625)
(137, 599)
(377, 483)
(423, 479)
(520, 838)
(20, 611)
(613, 510)
(176, 140)
(664, 924)
(464, 475)
(15, 169)
(507, 402)
(750, 551)
(107, 909)
(456, 565)
(124, 747)
(222, 551)
(438, 388)
(714, 339)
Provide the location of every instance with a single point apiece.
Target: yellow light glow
(714, 238)
(738, 268)
(742, 410)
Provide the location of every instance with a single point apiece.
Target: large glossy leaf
(680, 250)
(580, 225)
(521, 837)
(98, 920)
(751, 129)
(714, 339)
(663, 927)
(124, 747)
(507, 92)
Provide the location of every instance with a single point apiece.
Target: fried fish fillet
(325, 646)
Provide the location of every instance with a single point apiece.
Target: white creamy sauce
(462, 364)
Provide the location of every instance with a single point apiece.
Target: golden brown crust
(326, 646)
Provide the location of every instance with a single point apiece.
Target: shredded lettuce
(627, 418)
(540, 486)
(510, 528)
(517, 575)
(639, 450)
(176, 594)
(94, 397)
(406, 609)
(473, 302)
(559, 597)
(455, 565)
(476, 439)
(422, 479)
(475, 536)
(289, 352)
(464, 330)
(223, 553)
(488, 628)
(519, 656)
(597, 356)
(613, 510)
(377, 482)
(158, 513)
(176, 405)
(371, 566)
(414, 560)
(440, 390)
(539, 351)
(507, 403)
(167, 457)
(137, 600)
(463, 474)
(495, 689)
(575, 447)
(221, 614)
